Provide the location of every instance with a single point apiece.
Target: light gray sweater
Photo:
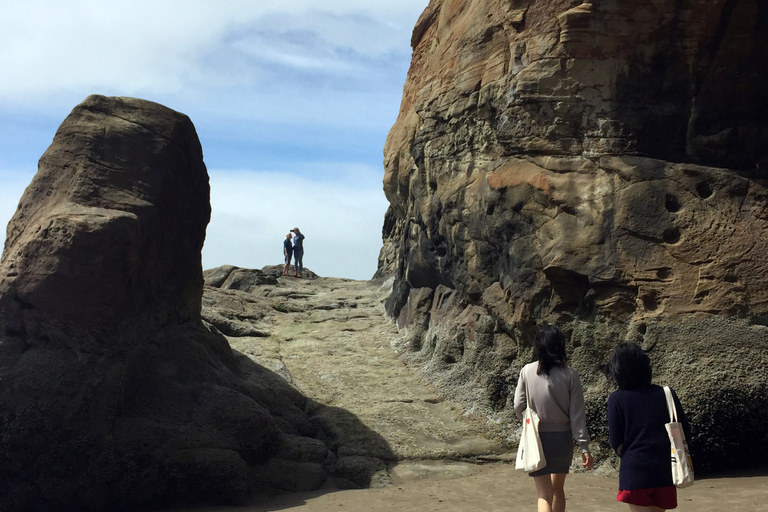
(557, 398)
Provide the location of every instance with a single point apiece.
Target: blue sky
(292, 102)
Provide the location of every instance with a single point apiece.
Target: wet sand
(498, 487)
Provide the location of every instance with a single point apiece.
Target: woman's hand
(586, 460)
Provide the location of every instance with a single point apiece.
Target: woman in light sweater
(556, 396)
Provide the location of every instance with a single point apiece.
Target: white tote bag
(682, 466)
(530, 453)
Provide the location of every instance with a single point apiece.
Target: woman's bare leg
(558, 492)
(544, 493)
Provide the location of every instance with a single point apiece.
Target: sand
(498, 487)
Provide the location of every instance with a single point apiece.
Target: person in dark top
(298, 252)
(287, 252)
(637, 412)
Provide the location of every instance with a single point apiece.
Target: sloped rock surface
(599, 166)
(331, 339)
(114, 395)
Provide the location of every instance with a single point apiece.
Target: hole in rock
(663, 273)
(704, 190)
(672, 204)
(570, 286)
(650, 303)
(671, 236)
(642, 328)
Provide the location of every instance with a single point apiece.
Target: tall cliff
(600, 166)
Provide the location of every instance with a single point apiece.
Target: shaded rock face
(598, 166)
(114, 221)
(113, 392)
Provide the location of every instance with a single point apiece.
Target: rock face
(114, 394)
(599, 166)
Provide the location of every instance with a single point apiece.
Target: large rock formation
(599, 166)
(114, 394)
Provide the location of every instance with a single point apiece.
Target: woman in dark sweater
(637, 412)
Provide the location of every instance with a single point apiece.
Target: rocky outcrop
(331, 339)
(596, 165)
(114, 394)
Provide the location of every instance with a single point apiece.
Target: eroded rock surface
(331, 339)
(596, 165)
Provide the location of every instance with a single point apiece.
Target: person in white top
(556, 396)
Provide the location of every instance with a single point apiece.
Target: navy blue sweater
(636, 419)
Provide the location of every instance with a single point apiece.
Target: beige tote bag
(682, 466)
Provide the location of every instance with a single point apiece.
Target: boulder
(599, 166)
(114, 395)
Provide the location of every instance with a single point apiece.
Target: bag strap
(670, 405)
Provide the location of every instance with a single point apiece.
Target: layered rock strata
(114, 394)
(599, 166)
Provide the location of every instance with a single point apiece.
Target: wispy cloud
(139, 46)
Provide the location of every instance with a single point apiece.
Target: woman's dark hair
(550, 348)
(630, 367)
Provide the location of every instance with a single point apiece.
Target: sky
(292, 101)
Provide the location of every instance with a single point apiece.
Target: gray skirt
(558, 450)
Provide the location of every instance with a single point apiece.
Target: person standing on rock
(287, 252)
(637, 412)
(556, 396)
(298, 252)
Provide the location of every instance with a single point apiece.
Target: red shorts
(662, 497)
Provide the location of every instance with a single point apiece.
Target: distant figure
(556, 396)
(287, 252)
(637, 412)
(298, 252)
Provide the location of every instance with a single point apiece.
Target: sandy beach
(499, 488)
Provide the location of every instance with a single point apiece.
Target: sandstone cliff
(599, 166)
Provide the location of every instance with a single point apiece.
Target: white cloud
(253, 211)
(148, 46)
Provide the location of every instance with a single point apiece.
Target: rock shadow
(181, 420)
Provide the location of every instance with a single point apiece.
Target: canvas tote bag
(682, 466)
(530, 453)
